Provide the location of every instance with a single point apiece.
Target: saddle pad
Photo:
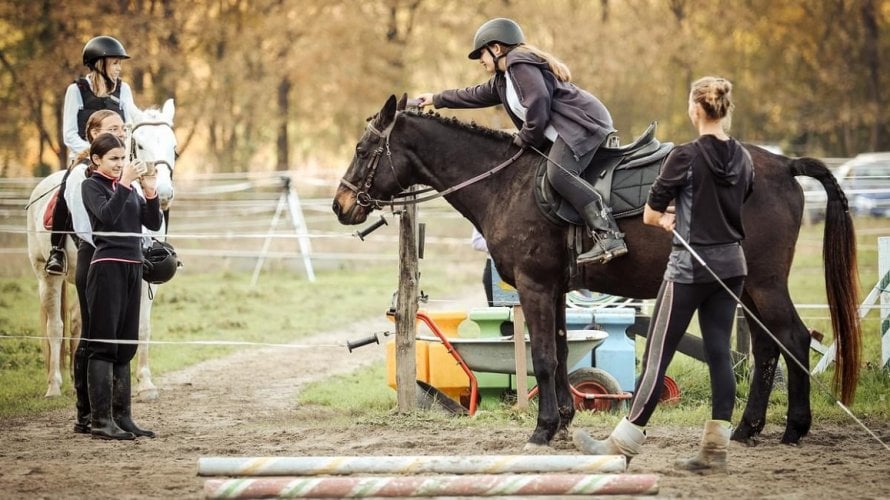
(630, 189)
(48, 211)
(627, 197)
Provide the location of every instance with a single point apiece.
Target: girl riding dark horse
(402, 148)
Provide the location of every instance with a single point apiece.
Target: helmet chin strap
(496, 59)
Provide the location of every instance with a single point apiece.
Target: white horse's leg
(50, 290)
(145, 388)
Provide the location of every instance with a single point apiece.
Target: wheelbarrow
(496, 355)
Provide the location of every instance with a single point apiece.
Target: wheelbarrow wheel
(591, 380)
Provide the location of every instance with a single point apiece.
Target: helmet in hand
(159, 262)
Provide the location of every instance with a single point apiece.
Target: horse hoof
(747, 441)
(149, 394)
(52, 392)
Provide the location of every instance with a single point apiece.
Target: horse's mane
(454, 123)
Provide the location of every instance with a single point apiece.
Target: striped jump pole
(472, 464)
(427, 486)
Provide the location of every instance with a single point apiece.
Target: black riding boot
(55, 263)
(82, 420)
(608, 241)
(100, 385)
(121, 402)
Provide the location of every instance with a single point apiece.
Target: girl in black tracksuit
(114, 282)
(708, 180)
(101, 121)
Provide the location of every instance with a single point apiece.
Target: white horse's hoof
(148, 394)
(53, 392)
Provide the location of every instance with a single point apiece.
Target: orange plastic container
(447, 322)
(445, 372)
(421, 358)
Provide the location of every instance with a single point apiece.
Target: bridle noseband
(362, 196)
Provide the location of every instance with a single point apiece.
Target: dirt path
(244, 405)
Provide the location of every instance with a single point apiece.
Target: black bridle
(152, 163)
(363, 197)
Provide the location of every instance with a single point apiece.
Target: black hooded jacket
(709, 180)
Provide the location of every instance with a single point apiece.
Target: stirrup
(589, 257)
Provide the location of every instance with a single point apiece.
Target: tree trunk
(283, 114)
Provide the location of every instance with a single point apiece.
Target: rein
(364, 199)
(153, 163)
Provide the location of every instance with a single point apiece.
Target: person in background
(114, 282)
(101, 89)
(537, 92)
(103, 121)
(478, 243)
(708, 180)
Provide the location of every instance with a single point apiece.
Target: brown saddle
(48, 211)
(622, 175)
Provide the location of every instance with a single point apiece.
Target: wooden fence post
(406, 311)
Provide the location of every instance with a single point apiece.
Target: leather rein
(154, 163)
(364, 199)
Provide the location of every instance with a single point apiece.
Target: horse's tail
(841, 276)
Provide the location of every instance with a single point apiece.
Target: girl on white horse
(102, 121)
(101, 89)
(114, 281)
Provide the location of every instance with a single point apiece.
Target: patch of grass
(282, 308)
(354, 393)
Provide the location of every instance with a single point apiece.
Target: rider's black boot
(121, 401)
(100, 384)
(608, 241)
(82, 420)
(55, 263)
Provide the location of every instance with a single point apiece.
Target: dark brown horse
(402, 148)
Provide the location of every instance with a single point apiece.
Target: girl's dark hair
(102, 144)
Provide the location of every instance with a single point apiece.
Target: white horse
(154, 142)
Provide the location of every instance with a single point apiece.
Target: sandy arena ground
(244, 405)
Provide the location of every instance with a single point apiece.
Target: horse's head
(372, 173)
(154, 142)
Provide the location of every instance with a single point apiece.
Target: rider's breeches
(564, 170)
(84, 256)
(676, 304)
(114, 291)
(61, 216)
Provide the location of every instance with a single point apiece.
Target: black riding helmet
(102, 46)
(501, 30)
(159, 262)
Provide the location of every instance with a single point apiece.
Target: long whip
(784, 349)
